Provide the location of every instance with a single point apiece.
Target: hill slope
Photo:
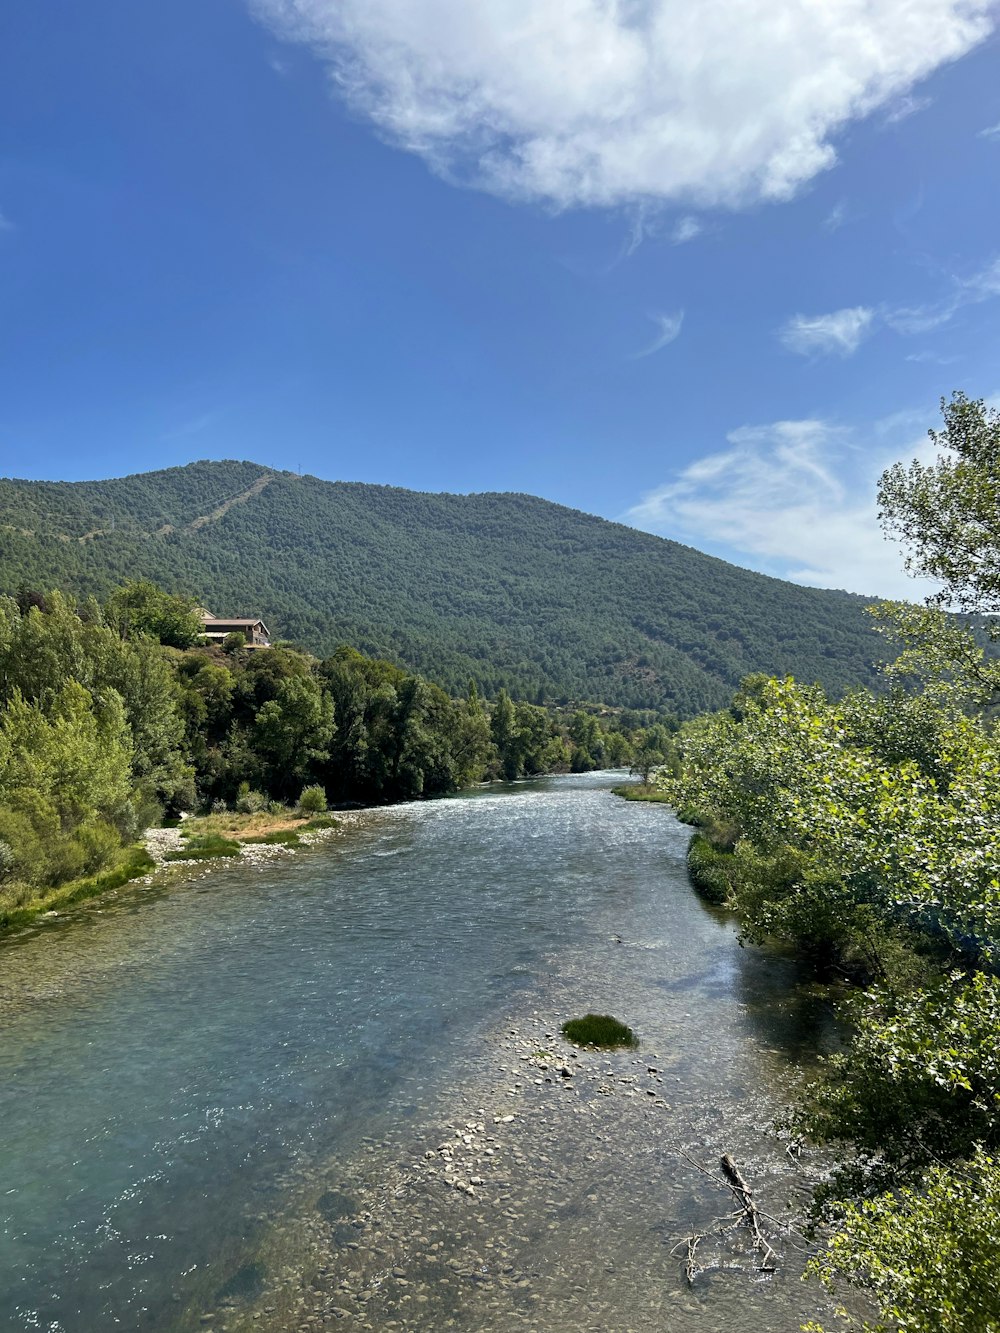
(509, 589)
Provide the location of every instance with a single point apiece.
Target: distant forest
(508, 590)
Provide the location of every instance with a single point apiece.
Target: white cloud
(837, 216)
(841, 332)
(685, 229)
(990, 132)
(607, 102)
(932, 359)
(981, 286)
(5, 222)
(904, 108)
(795, 499)
(668, 328)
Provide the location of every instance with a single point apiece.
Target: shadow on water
(788, 1009)
(246, 1284)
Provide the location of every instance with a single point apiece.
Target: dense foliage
(511, 591)
(107, 721)
(865, 833)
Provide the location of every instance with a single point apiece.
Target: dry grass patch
(238, 827)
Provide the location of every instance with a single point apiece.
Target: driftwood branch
(743, 1195)
(747, 1213)
(690, 1244)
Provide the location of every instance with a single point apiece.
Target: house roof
(232, 620)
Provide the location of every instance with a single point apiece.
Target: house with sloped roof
(253, 629)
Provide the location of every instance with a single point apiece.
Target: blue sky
(682, 266)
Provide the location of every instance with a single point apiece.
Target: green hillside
(509, 589)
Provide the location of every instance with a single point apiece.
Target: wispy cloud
(795, 499)
(990, 132)
(932, 358)
(669, 327)
(5, 222)
(685, 229)
(983, 285)
(642, 223)
(837, 216)
(904, 108)
(839, 333)
(593, 103)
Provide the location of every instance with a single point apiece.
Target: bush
(8, 861)
(249, 802)
(101, 845)
(312, 801)
(709, 870)
(67, 861)
(598, 1030)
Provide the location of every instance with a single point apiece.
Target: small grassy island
(599, 1030)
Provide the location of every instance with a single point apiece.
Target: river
(189, 1075)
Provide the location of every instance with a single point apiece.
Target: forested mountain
(510, 590)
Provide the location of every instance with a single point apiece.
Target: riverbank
(134, 863)
(192, 844)
(233, 835)
(641, 791)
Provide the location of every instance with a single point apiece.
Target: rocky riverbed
(555, 1191)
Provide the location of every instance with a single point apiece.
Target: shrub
(8, 861)
(100, 844)
(249, 802)
(709, 870)
(312, 801)
(598, 1030)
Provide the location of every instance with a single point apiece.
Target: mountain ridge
(504, 587)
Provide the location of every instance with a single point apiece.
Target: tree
(506, 736)
(292, 733)
(141, 607)
(654, 750)
(928, 1256)
(948, 512)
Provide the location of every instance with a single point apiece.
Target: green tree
(506, 736)
(141, 608)
(928, 1256)
(948, 512)
(292, 733)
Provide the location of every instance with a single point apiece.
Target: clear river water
(172, 1059)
